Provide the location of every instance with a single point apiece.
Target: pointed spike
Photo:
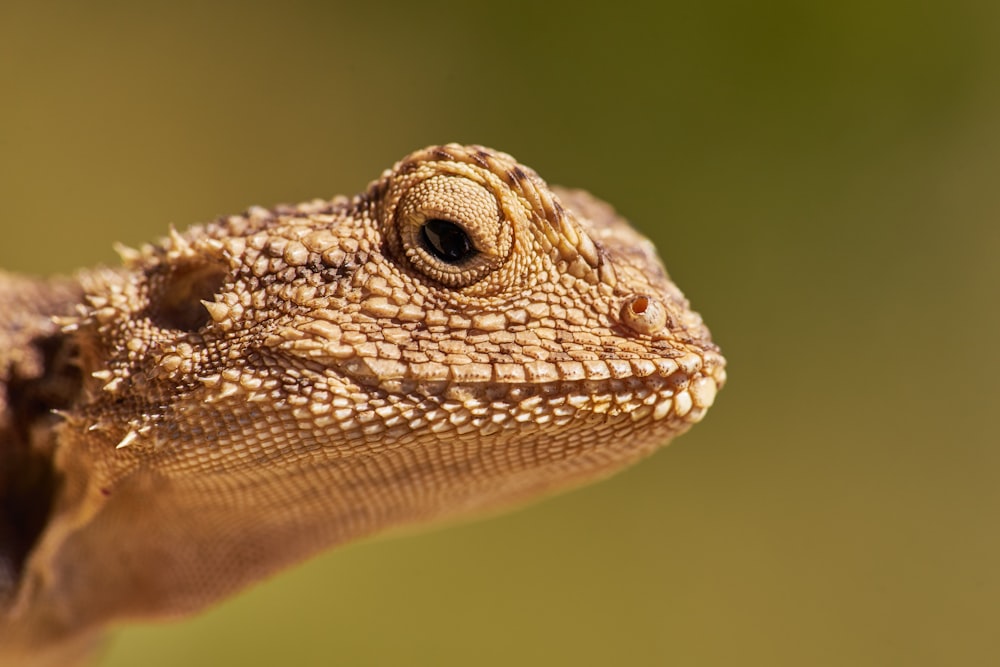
(215, 245)
(66, 324)
(105, 315)
(96, 300)
(228, 389)
(218, 311)
(113, 386)
(129, 256)
(129, 439)
(179, 243)
(258, 213)
(210, 380)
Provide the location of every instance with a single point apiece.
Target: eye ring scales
(451, 230)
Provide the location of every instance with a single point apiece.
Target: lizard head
(459, 336)
(489, 308)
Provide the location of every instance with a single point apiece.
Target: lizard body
(459, 337)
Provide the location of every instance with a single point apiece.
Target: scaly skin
(268, 385)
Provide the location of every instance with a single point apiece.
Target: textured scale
(267, 385)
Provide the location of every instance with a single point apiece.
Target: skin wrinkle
(271, 384)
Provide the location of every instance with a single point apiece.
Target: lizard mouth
(667, 395)
(654, 389)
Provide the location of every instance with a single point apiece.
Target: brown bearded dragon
(458, 338)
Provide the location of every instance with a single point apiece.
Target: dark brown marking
(482, 158)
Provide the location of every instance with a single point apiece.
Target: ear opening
(179, 305)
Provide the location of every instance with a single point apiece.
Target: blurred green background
(822, 181)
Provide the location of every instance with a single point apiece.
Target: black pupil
(446, 240)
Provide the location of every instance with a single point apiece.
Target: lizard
(458, 338)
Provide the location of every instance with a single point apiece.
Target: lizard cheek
(644, 315)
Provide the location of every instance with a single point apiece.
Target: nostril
(639, 305)
(644, 314)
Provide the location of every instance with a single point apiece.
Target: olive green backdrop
(822, 180)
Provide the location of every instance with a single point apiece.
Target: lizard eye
(451, 230)
(446, 240)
